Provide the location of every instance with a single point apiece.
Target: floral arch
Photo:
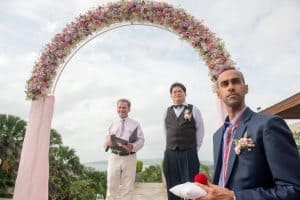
(32, 180)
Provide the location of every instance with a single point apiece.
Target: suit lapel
(241, 128)
(239, 132)
(218, 146)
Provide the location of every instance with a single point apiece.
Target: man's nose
(230, 86)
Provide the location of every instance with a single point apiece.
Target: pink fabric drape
(33, 173)
(221, 111)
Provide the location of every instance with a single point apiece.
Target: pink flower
(211, 46)
(243, 143)
(193, 31)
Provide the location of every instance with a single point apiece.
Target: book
(117, 142)
(133, 136)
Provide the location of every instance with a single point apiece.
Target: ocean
(102, 165)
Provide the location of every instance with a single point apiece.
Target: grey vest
(181, 132)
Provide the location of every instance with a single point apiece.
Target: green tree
(65, 168)
(68, 179)
(82, 190)
(139, 166)
(98, 180)
(205, 169)
(55, 138)
(12, 131)
(151, 174)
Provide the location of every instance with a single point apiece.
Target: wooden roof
(288, 108)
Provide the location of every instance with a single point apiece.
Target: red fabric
(200, 178)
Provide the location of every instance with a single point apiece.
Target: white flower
(187, 115)
(243, 143)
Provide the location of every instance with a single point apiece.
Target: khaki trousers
(120, 176)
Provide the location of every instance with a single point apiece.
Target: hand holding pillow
(190, 190)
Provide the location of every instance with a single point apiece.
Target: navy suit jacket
(271, 170)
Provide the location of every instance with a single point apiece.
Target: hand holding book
(121, 145)
(128, 147)
(118, 143)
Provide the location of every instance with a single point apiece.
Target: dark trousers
(180, 166)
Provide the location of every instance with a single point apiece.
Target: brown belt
(121, 153)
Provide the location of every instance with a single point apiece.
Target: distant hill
(97, 165)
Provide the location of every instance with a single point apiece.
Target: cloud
(3, 60)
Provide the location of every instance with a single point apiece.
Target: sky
(141, 62)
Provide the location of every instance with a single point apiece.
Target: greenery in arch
(210, 48)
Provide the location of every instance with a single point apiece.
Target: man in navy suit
(255, 155)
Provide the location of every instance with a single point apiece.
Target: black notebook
(118, 142)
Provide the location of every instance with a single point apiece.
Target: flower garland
(209, 47)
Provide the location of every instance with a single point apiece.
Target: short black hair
(177, 84)
(232, 68)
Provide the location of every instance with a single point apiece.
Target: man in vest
(184, 134)
(121, 168)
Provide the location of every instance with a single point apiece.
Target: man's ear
(246, 89)
(218, 93)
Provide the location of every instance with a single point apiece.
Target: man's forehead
(177, 88)
(229, 75)
(121, 103)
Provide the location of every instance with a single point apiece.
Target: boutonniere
(243, 143)
(187, 114)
